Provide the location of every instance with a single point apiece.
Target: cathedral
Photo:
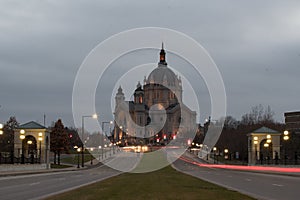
(157, 114)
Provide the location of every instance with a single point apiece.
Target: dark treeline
(234, 133)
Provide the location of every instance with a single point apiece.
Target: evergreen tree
(8, 134)
(59, 141)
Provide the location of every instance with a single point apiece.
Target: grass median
(166, 183)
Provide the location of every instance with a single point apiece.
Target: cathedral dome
(162, 74)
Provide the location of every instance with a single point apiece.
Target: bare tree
(230, 122)
(258, 115)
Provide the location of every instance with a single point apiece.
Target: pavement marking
(12, 186)
(278, 185)
(75, 187)
(229, 176)
(36, 183)
(248, 179)
(61, 179)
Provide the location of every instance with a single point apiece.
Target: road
(258, 185)
(37, 186)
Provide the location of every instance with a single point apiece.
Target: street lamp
(78, 152)
(226, 153)
(1, 127)
(22, 134)
(285, 138)
(255, 138)
(110, 123)
(92, 149)
(215, 149)
(22, 137)
(94, 116)
(1, 133)
(269, 139)
(103, 133)
(268, 147)
(99, 147)
(29, 142)
(40, 140)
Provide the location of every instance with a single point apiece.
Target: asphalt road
(257, 185)
(38, 186)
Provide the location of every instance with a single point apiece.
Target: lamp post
(22, 137)
(110, 123)
(1, 133)
(215, 149)
(1, 127)
(99, 147)
(285, 138)
(255, 138)
(269, 140)
(121, 138)
(226, 153)
(29, 142)
(103, 133)
(266, 145)
(40, 140)
(78, 152)
(94, 116)
(200, 150)
(206, 149)
(91, 156)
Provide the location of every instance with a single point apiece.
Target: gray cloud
(42, 44)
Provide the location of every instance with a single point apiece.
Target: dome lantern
(162, 57)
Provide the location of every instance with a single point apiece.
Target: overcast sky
(255, 44)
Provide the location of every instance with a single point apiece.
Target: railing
(9, 158)
(269, 161)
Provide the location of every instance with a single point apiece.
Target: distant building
(161, 91)
(263, 146)
(292, 121)
(32, 144)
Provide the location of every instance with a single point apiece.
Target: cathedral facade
(157, 113)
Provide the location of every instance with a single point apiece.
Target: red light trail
(245, 168)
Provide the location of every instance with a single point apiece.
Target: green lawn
(166, 183)
(73, 158)
(55, 166)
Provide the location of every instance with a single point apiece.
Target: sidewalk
(87, 165)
